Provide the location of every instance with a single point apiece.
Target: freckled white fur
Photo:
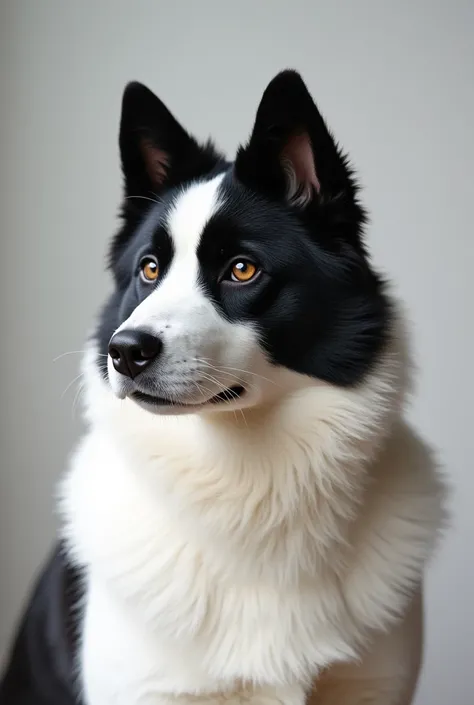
(237, 557)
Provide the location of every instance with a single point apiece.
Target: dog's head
(236, 283)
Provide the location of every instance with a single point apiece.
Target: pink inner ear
(298, 156)
(156, 162)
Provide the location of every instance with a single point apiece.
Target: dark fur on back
(41, 663)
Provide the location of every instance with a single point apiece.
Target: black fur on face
(288, 203)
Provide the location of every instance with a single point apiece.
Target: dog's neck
(292, 471)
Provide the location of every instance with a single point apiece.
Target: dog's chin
(227, 400)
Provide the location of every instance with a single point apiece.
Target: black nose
(133, 350)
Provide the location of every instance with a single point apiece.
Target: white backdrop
(395, 81)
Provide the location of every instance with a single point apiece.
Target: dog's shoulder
(400, 522)
(41, 666)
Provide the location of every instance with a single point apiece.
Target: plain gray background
(395, 81)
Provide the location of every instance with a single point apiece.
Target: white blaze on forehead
(178, 298)
(189, 214)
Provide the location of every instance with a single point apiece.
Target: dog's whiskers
(144, 198)
(231, 375)
(79, 390)
(253, 374)
(223, 368)
(75, 379)
(75, 402)
(229, 395)
(233, 378)
(76, 352)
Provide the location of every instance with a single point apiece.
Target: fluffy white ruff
(225, 553)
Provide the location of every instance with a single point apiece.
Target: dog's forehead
(190, 211)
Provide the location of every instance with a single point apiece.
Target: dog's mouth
(225, 397)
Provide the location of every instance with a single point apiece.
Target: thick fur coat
(249, 512)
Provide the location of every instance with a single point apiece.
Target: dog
(249, 515)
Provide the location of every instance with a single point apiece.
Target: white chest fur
(216, 559)
(152, 577)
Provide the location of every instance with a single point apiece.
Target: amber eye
(149, 269)
(243, 271)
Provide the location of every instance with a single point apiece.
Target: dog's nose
(133, 350)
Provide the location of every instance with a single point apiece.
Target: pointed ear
(156, 152)
(291, 155)
(297, 159)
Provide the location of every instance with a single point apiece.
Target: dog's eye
(242, 271)
(149, 269)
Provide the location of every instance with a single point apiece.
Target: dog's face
(237, 283)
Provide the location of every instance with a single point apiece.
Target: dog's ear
(291, 155)
(156, 151)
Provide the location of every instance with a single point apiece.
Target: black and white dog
(248, 514)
